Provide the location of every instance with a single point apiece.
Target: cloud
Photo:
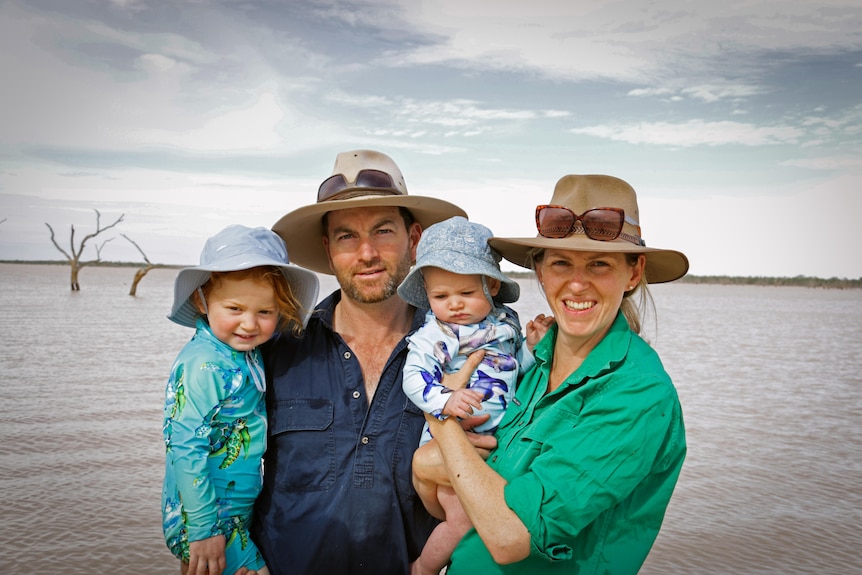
(830, 163)
(462, 117)
(247, 130)
(709, 93)
(632, 41)
(695, 133)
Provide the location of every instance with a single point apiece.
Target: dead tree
(74, 258)
(141, 272)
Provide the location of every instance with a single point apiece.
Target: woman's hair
(635, 312)
(288, 306)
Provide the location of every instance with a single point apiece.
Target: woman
(591, 448)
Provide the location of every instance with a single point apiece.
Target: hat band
(337, 187)
(600, 224)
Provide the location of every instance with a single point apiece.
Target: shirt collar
(609, 352)
(204, 331)
(326, 309)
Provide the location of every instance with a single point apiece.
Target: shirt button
(365, 440)
(346, 355)
(356, 395)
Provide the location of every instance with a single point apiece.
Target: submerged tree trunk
(74, 277)
(139, 275)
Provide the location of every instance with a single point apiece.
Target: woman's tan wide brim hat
(302, 229)
(580, 193)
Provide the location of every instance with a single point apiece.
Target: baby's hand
(462, 402)
(537, 328)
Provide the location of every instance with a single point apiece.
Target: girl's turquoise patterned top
(215, 436)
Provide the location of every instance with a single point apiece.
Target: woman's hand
(461, 378)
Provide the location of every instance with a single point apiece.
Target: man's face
(370, 251)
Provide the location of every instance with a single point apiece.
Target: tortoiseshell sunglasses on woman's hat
(601, 224)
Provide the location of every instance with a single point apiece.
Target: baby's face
(456, 298)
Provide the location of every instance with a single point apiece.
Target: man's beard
(354, 290)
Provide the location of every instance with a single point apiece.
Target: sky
(738, 123)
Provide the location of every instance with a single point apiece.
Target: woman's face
(585, 290)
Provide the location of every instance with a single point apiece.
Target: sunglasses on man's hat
(367, 182)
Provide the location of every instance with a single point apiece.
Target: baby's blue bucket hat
(240, 248)
(458, 246)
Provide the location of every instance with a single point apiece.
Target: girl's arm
(206, 556)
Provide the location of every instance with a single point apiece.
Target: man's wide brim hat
(302, 229)
(238, 248)
(580, 193)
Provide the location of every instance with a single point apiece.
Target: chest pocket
(304, 443)
(528, 441)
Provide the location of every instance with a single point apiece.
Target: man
(338, 496)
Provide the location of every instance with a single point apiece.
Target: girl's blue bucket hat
(240, 248)
(458, 246)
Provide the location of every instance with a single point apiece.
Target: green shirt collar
(608, 353)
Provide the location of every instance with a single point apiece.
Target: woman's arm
(429, 470)
(480, 490)
(451, 455)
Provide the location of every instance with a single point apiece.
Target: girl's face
(585, 290)
(457, 298)
(243, 313)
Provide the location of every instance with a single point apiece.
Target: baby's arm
(423, 369)
(537, 328)
(462, 402)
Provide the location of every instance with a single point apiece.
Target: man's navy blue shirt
(337, 495)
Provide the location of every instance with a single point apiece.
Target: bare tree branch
(139, 248)
(56, 245)
(75, 258)
(98, 254)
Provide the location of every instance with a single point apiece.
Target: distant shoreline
(798, 281)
